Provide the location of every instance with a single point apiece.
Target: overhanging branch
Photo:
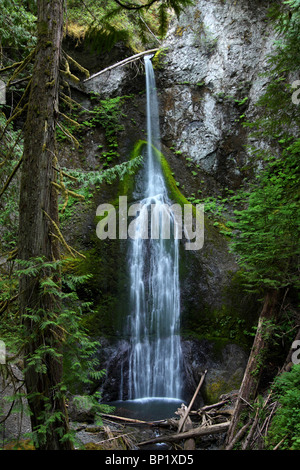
(123, 62)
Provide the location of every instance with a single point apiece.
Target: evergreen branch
(69, 101)
(12, 118)
(65, 174)
(16, 82)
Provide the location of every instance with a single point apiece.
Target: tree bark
(255, 363)
(37, 197)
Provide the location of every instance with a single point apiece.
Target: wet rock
(225, 368)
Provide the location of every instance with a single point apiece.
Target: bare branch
(123, 62)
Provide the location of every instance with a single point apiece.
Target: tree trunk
(43, 368)
(255, 363)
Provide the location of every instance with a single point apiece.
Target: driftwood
(120, 64)
(135, 421)
(189, 444)
(191, 402)
(210, 407)
(196, 432)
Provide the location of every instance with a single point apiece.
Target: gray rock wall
(210, 76)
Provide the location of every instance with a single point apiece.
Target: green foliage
(88, 180)
(71, 341)
(105, 24)
(285, 425)
(99, 38)
(11, 149)
(136, 23)
(268, 229)
(91, 404)
(106, 114)
(280, 114)
(17, 27)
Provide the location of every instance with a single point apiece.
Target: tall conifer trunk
(256, 361)
(38, 204)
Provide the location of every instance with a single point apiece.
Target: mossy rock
(220, 383)
(22, 444)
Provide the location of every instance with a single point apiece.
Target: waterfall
(154, 319)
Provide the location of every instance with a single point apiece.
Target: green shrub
(285, 425)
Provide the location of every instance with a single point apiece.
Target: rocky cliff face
(210, 81)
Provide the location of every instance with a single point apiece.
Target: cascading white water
(155, 354)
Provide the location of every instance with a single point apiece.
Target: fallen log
(120, 64)
(210, 407)
(196, 432)
(122, 418)
(134, 421)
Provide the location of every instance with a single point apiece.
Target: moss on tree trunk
(38, 198)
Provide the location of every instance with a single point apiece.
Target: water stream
(154, 320)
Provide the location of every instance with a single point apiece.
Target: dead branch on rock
(121, 63)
